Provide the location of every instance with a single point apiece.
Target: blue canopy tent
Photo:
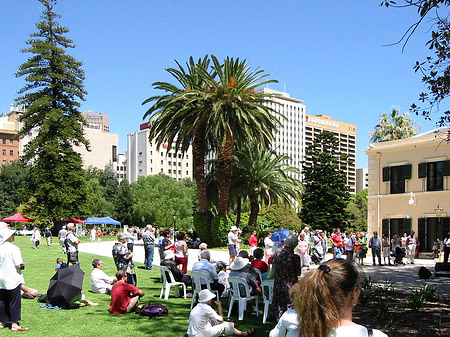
(102, 221)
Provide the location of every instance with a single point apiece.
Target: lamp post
(438, 211)
(175, 216)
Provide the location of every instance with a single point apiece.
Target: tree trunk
(238, 211)
(254, 209)
(199, 152)
(224, 168)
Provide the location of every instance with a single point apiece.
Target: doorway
(431, 230)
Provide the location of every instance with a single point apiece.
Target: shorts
(232, 249)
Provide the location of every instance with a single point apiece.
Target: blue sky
(330, 54)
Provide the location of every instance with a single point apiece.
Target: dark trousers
(149, 250)
(446, 253)
(10, 305)
(130, 246)
(376, 251)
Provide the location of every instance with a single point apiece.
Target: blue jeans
(149, 250)
(376, 251)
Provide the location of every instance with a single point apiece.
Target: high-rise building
(362, 179)
(345, 134)
(290, 138)
(144, 158)
(119, 167)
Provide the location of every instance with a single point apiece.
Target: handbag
(132, 277)
(272, 269)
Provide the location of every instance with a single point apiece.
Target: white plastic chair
(237, 283)
(167, 283)
(267, 292)
(197, 278)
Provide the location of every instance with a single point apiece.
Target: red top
(121, 294)
(253, 241)
(261, 265)
(337, 240)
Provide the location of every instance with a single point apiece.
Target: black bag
(132, 278)
(424, 273)
(153, 310)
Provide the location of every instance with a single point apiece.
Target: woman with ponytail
(323, 303)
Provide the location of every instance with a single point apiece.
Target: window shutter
(422, 170)
(407, 171)
(407, 223)
(385, 227)
(446, 168)
(386, 173)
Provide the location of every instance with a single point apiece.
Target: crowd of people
(336, 283)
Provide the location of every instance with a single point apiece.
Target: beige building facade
(144, 158)
(344, 133)
(409, 187)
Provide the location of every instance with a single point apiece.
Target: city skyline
(331, 55)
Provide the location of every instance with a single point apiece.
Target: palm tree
(264, 178)
(237, 115)
(178, 117)
(392, 127)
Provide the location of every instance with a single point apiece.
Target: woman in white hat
(11, 265)
(205, 322)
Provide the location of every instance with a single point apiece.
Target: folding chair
(197, 278)
(237, 284)
(169, 281)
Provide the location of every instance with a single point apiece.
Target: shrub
(220, 227)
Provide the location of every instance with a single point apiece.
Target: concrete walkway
(403, 277)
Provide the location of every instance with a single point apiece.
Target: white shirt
(232, 238)
(348, 243)
(269, 246)
(10, 257)
(288, 323)
(207, 268)
(201, 315)
(100, 281)
(71, 245)
(179, 248)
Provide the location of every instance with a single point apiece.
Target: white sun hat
(5, 234)
(205, 295)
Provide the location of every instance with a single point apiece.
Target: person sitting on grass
(60, 264)
(124, 296)
(100, 282)
(205, 321)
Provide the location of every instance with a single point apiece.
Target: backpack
(153, 310)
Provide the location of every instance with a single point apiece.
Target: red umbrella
(17, 218)
(72, 220)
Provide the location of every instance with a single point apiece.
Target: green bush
(202, 224)
(220, 227)
(421, 295)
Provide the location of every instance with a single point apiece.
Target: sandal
(249, 332)
(19, 328)
(2, 325)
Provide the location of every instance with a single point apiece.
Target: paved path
(404, 277)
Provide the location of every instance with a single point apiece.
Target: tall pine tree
(54, 87)
(326, 193)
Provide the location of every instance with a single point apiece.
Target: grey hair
(205, 254)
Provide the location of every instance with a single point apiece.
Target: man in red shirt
(253, 242)
(124, 296)
(337, 244)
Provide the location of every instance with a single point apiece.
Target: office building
(9, 144)
(290, 138)
(144, 158)
(409, 187)
(96, 120)
(362, 179)
(345, 134)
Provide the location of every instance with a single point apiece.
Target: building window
(169, 171)
(179, 155)
(397, 175)
(4, 141)
(434, 172)
(162, 154)
(4, 162)
(187, 164)
(11, 142)
(170, 155)
(4, 152)
(179, 163)
(179, 172)
(162, 162)
(187, 173)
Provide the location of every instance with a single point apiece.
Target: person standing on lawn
(204, 321)
(149, 247)
(11, 265)
(253, 242)
(48, 236)
(122, 257)
(233, 240)
(72, 245)
(62, 238)
(36, 237)
(125, 297)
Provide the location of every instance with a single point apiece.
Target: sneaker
(92, 303)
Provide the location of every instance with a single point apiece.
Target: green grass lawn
(97, 321)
